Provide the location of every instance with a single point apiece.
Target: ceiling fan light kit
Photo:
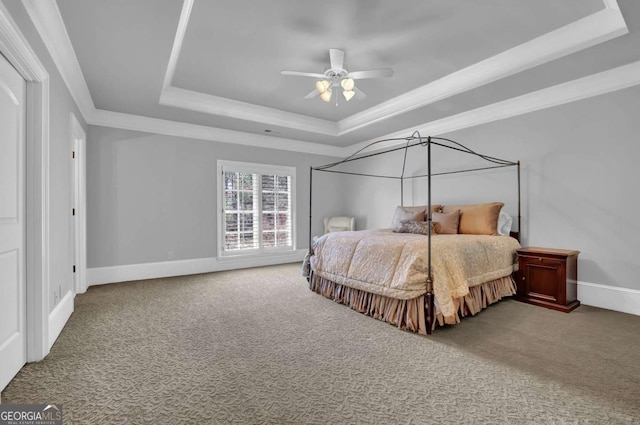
(347, 84)
(326, 95)
(348, 94)
(338, 76)
(322, 86)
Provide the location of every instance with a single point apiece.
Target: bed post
(310, 201)
(519, 211)
(404, 164)
(430, 313)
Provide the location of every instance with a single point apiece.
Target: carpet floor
(256, 346)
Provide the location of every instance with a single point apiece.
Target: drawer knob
(522, 277)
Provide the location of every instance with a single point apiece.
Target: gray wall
(61, 104)
(579, 182)
(150, 194)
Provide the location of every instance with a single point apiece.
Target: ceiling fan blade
(372, 73)
(311, 95)
(304, 74)
(360, 95)
(336, 57)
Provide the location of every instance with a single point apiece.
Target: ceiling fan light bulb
(326, 95)
(348, 94)
(322, 86)
(347, 84)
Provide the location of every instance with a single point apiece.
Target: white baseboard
(624, 300)
(103, 275)
(59, 316)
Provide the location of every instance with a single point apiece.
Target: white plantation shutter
(257, 213)
(276, 210)
(240, 211)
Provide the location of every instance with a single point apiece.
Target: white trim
(602, 296)
(596, 28)
(583, 88)
(46, 17)
(187, 5)
(215, 105)
(201, 132)
(103, 275)
(625, 300)
(18, 51)
(59, 317)
(586, 32)
(79, 144)
(221, 106)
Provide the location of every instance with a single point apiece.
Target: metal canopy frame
(416, 140)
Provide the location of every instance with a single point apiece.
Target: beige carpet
(257, 347)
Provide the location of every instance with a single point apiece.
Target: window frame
(260, 169)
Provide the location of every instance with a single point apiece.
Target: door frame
(79, 202)
(14, 46)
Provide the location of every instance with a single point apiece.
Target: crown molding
(17, 50)
(593, 85)
(586, 32)
(201, 102)
(180, 129)
(581, 34)
(583, 88)
(46, 17)
(596, 28)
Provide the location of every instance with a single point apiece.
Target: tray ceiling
(216, 64)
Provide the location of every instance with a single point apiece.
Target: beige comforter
(395, 264)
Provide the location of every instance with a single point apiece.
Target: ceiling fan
(337, 77)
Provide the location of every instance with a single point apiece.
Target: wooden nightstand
(548, 277)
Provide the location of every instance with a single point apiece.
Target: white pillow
(504, 223)
(406, 213)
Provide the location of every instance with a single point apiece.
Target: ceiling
(212, 68)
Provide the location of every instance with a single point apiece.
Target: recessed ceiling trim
(177, 42)
(201, 102)
(593, 85)
(583, 88)
(586, 32)
(216, 105)
(193, 131)
(581, 34)
(48, 21)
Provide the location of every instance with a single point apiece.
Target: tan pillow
(477, 219)
(446, 223)
(406, 213)
(434, 208)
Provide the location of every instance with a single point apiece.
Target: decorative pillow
(446, 223)
(406, 213)
(504, 223)
(418, 227)
(478, 219)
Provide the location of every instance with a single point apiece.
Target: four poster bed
(437, 264)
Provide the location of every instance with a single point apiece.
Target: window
(257, 208)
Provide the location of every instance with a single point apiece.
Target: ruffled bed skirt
(410, 314)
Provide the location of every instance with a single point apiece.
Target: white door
(12, 222)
